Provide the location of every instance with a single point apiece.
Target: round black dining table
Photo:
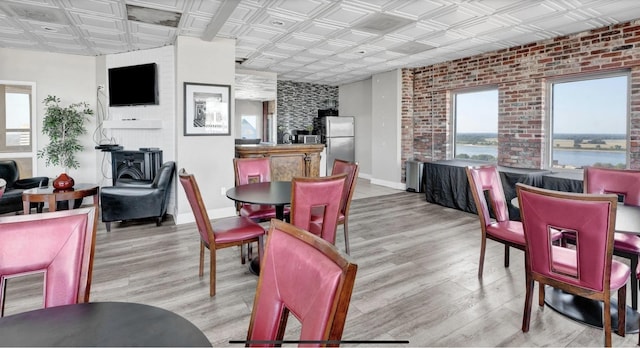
(100, 324)
(589, 311)
(276, 193)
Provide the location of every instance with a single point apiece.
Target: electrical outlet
(223, 191)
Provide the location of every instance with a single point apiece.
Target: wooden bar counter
(287, 160)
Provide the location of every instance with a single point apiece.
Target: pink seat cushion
(565, 261)
(619, 274)
(626, 242)
(259, 212)
(316, 215)
(511, 231)
(236, 228)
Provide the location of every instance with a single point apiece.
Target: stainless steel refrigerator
(338, 133)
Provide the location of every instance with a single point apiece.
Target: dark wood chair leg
(634, 282)
(506, 255)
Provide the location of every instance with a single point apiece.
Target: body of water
(564, 157)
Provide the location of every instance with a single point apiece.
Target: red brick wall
(520, 74)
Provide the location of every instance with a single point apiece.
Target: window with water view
(476, 120)
(589, 122)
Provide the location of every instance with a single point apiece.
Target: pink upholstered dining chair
(304, 275)
(249, 171)
(321, 196)
(588, 270)
(625, 183)
(502, 230)
(351, 168)
(487, 179)
(223, 233)
(59, 244)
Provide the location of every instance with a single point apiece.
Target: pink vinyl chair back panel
(59, 244)
(315, 194)
(617, 181)
(252, 170)
(303, 275)
(351, 169)
(197, 207)
(487, 178)
(592, 221)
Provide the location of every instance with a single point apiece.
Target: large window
(589, 122)
(15, 126)
(476, 125)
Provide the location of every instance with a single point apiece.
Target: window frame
(34, 139)
(454, 113)
(547, 159)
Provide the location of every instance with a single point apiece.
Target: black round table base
(254, 266)
(588, 311)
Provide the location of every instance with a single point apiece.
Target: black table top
(272, 193)
(100, 324)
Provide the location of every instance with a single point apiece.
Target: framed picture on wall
(207, 110)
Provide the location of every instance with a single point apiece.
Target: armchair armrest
(38, 181)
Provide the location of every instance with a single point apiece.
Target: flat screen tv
(133, 85)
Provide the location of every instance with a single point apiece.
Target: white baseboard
(391, 184)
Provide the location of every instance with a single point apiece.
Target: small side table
(51, 196)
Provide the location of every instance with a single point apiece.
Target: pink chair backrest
(319, 193)
(487, 178)
(252, 170)
(351, 168)
(618, 181)
(59, 244)
(192, 191)
(306, 276)
(591, 217)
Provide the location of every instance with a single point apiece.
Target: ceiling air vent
(411, 48)
(381, 23)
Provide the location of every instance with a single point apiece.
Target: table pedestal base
(254, 266)
(588, 311)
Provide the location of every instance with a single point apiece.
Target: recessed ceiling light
(50, 29)
(277, 23)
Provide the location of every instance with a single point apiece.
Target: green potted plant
(63, 126)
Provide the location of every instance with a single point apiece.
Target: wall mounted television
(133, 85)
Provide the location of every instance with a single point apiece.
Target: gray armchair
(132, 199)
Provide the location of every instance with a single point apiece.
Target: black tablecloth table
(101, 324)
(446, 184)
(563, 181)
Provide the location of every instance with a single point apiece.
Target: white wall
(355, 100)
(386, 164)
(248, 108)
(209, 158)
(125, 133)
(72, 78)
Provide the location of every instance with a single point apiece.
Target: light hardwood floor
(417, 280)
